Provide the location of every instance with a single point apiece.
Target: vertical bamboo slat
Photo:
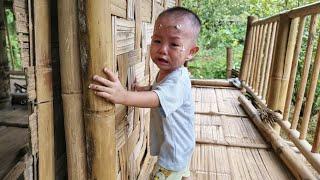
(306, 67)
(311, 94)
(96, 53)
(265, 58)
(71, 89)
(229, 62)
(42, 30)
(316, 141)
(269, 59)
(261, 58)
(294, 69)
(254, 55)
(250, 58)
(255, 59)
(247, 50)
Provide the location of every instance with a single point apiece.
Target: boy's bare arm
(113, 91)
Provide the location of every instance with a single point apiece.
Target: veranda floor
(228, 144)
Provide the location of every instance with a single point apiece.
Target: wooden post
(71, 87)
(96, 53)
(276, 97)
(4, 64)
(229, 62)
(247, 49)
(42, 30)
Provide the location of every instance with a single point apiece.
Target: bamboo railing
(271, 55)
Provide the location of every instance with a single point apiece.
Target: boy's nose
(163, 49)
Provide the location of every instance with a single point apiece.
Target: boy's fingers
(100, 88)
(103, 94)
(112, 76)
(102, 80)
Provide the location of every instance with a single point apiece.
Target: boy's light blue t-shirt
(172, 135)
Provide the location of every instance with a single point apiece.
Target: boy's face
(172, 43)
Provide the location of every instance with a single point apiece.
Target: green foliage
(14, 51)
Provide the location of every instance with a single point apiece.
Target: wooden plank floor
(12, 138)
(229, 146)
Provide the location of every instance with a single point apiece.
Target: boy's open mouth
(162, 60)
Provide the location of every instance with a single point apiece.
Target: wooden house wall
(132, 27)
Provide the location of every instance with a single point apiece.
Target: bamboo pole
(316, 141)
(211, 82)
(253, 61)
(250, 58)
(96, 53)
(265, 59)
(261, 58)
(303, 146)
(311, 93)
(71, 89)
(272, 57)
(294, 69)
(277, 96)
(229, 62)
(247, 49)
(290, 158)
(4, 64)
(42, 30)
(306, 67)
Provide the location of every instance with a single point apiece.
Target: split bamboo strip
(277, 95)
(71, 89)
(42, 31)
(247, 50)
(272, 57)
(261, 58)
(294, 68)
(289, 157)
(99, 115)
(265, 59)
(253, 58)
(212, 82)
(232, 144)
(316, 141)
(256, 56)
(250, 57)
(311, 94)
(270, 53)
(211, 113)
(306, 67)
(229, 62)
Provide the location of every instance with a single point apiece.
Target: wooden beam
(212, 82)
(99, 115)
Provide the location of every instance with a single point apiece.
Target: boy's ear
(193, 51)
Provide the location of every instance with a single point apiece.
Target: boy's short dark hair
(184, 12)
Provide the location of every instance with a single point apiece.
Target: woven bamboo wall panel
(146, 10)
(124, 34)
(170, 3)
(119, 8)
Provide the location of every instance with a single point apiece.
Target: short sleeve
(171, 94)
